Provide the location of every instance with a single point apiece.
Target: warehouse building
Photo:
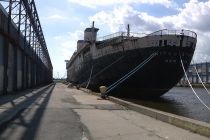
(203, 71)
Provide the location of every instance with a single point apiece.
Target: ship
(130, 63)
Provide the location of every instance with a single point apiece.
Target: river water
(180, 101)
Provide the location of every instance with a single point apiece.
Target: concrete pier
(57, 112)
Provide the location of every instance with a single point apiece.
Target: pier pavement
(56, 112)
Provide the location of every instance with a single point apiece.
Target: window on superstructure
(165, 43)
(160, 43)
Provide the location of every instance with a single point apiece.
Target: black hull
(155, 78)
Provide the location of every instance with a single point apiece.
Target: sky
(64, 21)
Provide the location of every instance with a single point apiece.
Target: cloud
(97, 3)
(63, 47)
(194, 16)
(69, 43)
(202, 53)
(197, 15)
(139, 21)
(56, 17)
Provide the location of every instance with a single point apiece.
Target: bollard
(78, 87)
(70, 85)
(103, 90)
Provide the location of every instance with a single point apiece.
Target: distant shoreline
(194, 85)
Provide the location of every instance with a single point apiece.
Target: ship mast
(128, 30)
(92, 31)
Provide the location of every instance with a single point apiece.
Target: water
(180, 101)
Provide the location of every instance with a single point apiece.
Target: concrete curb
(10, 114)
(195, 126)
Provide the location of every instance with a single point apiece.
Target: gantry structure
(25, 55)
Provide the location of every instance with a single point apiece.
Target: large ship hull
(128, 63)
(154, 79)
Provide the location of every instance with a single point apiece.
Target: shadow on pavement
(30, 116)
(11, 97)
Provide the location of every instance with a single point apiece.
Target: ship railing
(121, 34)
(114, 35)
(137, 34)
(174, 32)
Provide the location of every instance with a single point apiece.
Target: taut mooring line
(191, 84)
(125, 77)
(104, 69)
(89, 77)
(108, 66)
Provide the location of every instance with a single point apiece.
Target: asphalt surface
(46, 118)
(61, 113)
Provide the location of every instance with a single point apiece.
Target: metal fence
(174, 32)
(121, 34)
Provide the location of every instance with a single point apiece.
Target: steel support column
(23, 33)
(6, 50)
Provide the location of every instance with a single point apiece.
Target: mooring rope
(89, 77)
(125, 77)
(108, 66)
(191, 84)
